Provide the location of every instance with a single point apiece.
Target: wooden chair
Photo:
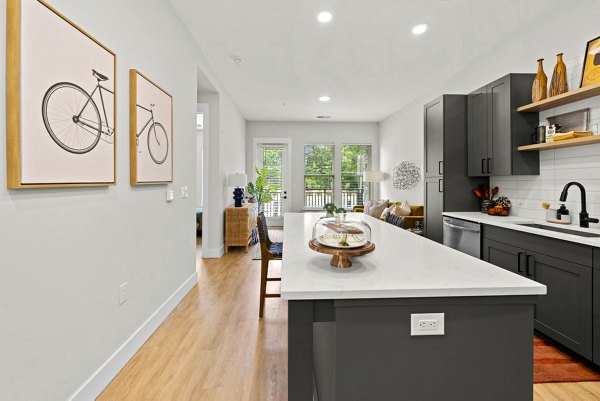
(268, 251)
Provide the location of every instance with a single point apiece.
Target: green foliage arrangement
(260, 188)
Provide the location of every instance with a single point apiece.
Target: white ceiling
(366, 59)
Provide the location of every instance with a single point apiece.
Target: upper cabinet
(496, 129)
(447, 186)
(434, 138)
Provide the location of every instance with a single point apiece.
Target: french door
(275, 157)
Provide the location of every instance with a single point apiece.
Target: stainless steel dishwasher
(463, 235)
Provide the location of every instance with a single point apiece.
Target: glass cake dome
(337, 232)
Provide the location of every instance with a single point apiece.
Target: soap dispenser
(562, 215)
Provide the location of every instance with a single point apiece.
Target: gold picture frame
(25, 126)
(150, 131)
(590, 73)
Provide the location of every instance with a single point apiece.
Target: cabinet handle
(440, 167)
(441, 185)
(519, 263)
(483, 166)
(530, 265)
(489, 167)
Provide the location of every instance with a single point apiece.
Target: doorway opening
(274, 155)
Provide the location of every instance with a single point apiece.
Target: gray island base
(349, 333)
(362, 350)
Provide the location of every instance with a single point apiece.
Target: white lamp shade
(373, 176)
(237, 180)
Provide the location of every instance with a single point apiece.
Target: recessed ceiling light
(324, 16)
(237, 60)
(324, 98)
(419, 29)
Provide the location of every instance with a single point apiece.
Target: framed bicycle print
(60, 101)
(150, 131)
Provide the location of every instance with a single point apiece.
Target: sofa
(416, 214)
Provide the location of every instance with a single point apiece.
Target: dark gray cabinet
(596, 305)
(445, 125)
(434, 138)
(565, 313)
(496, 129)
(434, 207)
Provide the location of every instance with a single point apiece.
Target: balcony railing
(273, 208)
(317, 198)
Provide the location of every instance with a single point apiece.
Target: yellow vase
(558, 84)
(539, 90)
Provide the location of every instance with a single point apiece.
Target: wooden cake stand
(341, 256)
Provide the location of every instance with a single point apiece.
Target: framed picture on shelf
(60, 101)
(591, 63)
(150, 131)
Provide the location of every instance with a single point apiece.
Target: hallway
(213, 346)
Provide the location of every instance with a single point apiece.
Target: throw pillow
(375, 208)
(403, 209)
(395, 220)
(385, 213)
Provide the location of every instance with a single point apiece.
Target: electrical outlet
(427, 324)
(183, 192)
(123, 293)
(170, 195)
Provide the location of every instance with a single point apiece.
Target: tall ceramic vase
(558, 84)
(539, 90)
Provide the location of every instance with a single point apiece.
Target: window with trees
(355, 160)
(272, 159)
(318, 175)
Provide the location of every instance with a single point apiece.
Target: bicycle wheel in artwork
(61, 111)
(150, 131)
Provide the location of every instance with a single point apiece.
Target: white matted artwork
(61, 108)
(406, 175)
(150, 131)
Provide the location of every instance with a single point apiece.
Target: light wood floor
(213, 346)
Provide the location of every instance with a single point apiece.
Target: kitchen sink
(560, 230)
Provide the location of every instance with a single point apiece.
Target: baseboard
(103, 376)
(213, 253)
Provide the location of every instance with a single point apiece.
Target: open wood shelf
(567, 143)
(560, 100)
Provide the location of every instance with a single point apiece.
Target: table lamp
(238, 181)
(373, 176)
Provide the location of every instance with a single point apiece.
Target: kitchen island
(349, 333)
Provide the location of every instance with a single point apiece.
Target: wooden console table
(239, 223)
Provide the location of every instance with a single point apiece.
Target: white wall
(199, 152)
(302, 133)
(224, 144)
(401, 135)
(233, 147)
(66, 251)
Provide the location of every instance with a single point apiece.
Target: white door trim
(287, 171)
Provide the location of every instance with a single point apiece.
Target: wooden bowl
(341, 256)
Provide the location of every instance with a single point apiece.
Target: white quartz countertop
(403, 265)
(512, 222)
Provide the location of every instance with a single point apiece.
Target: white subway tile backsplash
(578, 151)
(578, 174)
(547, 154)
(577, 162)
(557, 168)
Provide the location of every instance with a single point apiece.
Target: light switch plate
(123, 293)
(183, 192)
(170, 195)
(427, 324)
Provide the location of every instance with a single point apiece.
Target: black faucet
(584, 217)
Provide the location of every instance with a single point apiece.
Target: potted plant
(259, 189)
(330, 208)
